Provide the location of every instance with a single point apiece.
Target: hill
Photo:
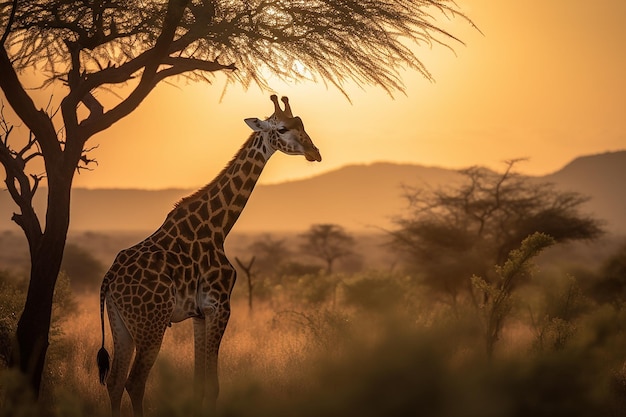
(359, 197)
(602, 178)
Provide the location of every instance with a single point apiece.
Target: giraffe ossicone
(181, 271)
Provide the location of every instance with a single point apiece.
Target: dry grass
(259, 353)
(290, 358)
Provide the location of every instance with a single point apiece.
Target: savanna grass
(349, 358)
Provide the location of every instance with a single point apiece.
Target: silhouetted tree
(327, 242)
(270, 253)
(86, 47)
(451, 234)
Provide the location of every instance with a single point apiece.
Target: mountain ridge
(359, 197)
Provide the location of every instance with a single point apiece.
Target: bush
(12, 298)
(316, 289)
(376, 293)
(84, 270)
(611, 286)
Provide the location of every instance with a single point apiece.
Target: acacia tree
(451, 234)
(270, 253)
(86, 47)
(328, 242)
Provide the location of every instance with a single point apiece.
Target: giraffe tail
(103, 360)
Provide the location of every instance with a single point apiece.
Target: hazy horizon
(342, 196)
(261, 181)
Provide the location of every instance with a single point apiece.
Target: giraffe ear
(257, 124)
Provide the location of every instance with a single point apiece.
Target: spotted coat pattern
(181, 271)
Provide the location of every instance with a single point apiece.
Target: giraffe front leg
(207, 344)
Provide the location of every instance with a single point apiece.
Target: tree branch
(14, 165)
(36, 120)
(7, 30)
(94, 106)
(177, 66)
(151, 61)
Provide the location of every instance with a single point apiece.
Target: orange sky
(545, 81)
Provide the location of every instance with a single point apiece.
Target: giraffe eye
(282, 130)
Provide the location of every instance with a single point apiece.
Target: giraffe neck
(211, 212)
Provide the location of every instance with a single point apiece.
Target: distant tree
(86, 48)
(270, 254)
(449, 235)
(327, 242)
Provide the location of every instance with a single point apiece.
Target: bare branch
(36, 120)
(18, 183)
(246, 268)
(178, 66)
(86, 161)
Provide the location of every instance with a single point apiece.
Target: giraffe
(181, 270)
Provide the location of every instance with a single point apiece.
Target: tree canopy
(95, 43)
(327, 242)
(451, 234)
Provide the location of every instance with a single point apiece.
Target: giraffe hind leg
(144, 360)
(123, 347)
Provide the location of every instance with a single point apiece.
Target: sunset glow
(318, 208)
(544, 80)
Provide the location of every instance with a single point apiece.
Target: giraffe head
(283, 132)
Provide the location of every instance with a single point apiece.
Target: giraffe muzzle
(312, 155)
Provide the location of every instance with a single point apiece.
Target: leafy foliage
(564, 303)
(12, 295)
(365, 41)
(299, 356)
(498, 295)
(449, 235)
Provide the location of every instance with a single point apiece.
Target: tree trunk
(34, 324)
